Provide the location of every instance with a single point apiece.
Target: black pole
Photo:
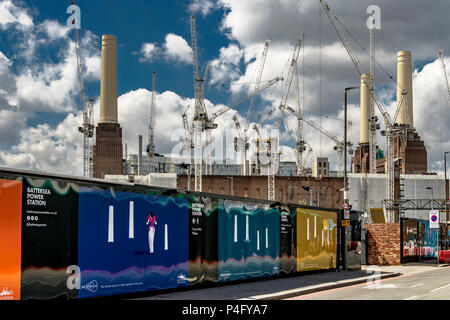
(447, 217)
(346, 200)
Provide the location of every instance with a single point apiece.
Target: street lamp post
(346, 200)
(345, 143)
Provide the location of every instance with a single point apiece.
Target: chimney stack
(108, 94)
(108, 148)
(404, 82)
(366, 82)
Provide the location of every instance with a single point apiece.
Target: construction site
(384, 184)
(234, 215)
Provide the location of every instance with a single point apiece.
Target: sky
(40, 109)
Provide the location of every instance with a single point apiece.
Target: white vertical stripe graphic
(166, 238)
(111, 224)
(235, 229)
(307, 229)
(267, 238)
(322, 238)
(257, 240)
(315, 226)
(247, 236)
(328, 236)
(131, 223)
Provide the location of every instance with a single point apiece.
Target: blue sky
(136, 22)
(39, 103)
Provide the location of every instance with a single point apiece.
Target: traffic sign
(434, 219)
(345, 223)
(346, 214)
(448, 202)
(345, 206)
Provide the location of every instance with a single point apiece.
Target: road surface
(432, 284)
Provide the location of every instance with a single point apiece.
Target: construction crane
(201, 121)
(373, 120)
(292, 73)
(339, 144)
(151, 127)
(242, 144)
(225, 109)
(87, 129)
(392, 129)
(444, 70)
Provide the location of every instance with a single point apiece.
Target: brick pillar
(384, 244)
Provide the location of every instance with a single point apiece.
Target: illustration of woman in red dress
(151, 231)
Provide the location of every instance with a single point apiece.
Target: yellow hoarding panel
(316, 239)
(377, 215)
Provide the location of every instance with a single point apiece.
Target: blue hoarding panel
(120, 252)
(249, 241)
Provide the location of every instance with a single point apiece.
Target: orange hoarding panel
(10, 242)
(316, 239)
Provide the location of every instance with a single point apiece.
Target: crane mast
(444, 70)
(201, 122)
(339, 145)
(151, 126)
(87, 128)
(242, 144)
(373, 125)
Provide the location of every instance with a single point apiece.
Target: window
(320, 164)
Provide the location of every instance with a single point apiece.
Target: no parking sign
(434, 219)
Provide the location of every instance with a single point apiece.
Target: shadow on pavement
(261, 287)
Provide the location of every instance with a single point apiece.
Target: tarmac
(292, 286)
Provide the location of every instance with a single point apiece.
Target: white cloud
(176, 48)
(227, 66)
(44, 148)
(54, 29)
(202, 6)
(11, 15)
(149, 52)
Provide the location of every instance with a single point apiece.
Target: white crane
(151, 127)
(293, 72)
(201, 121)
(225, 109)
(373, 120)
(339, 144)
(242, 144)
(392, 129)
(444, 70)
(87, 129)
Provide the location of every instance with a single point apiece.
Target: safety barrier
(81, 238)
(444, 256)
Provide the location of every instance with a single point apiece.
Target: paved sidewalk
(282, 288)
